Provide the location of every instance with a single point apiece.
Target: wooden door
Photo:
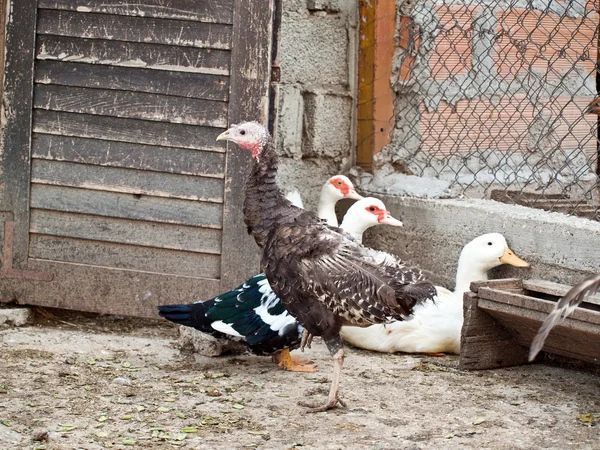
(115, 195)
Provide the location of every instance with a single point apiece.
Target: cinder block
(314, 50)
(205, 344)
(324, 5)
(289, 124)
(327, 125)
(15, 316)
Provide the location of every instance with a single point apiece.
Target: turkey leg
(335, 346)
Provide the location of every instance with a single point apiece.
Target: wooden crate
(503, 316)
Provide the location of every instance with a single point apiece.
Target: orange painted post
(375, 95)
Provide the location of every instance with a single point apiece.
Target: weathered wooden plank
(555, 289)
(503, 283)
(131, 105)
(217, 11)
(16, 122)
(130, 54)
(127, 181)
(134, 29)
(501, 300)
(147, 234)
(572, 338)
(484, 343)
(249, 100)
(131, 257)
(105, 290)
(182, 84)
(132, 156)
(126, 206)
(127, 130)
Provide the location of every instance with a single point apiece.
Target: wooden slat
(16, 122)
(134, 29)
(218, 11)
(572, 338)
(249, 100)
(104, 290)
(120, 256)
(127, 130)
(503, 283)
(130, 54)
(556, 289)
(501, 299)
(182, 84)
(147, 234)
(127, 181)
(131, 105)
(126, 206)
(132, 156)
(484, 343)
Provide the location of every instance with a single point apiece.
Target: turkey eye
(489, 243)
(242, 132)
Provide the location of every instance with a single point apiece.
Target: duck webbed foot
(286, 361)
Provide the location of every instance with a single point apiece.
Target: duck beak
(224, 136)
(389, 220)
(509, 257)
(353, 195)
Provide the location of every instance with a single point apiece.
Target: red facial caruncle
(341, 185)
(377, 211)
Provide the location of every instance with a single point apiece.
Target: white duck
(335, 188)
(435, 327)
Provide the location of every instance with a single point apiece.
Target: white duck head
(335, 189)
(364, 214)
(480, 255)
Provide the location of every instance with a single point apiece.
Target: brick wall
(496, 96)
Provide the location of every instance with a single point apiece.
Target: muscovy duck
(254, 314)
(324, 277)
(435, 327)
(564, 307)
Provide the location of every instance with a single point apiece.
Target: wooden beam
(375, 95)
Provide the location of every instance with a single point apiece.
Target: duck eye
(372, 209)
(339, 183)
(489, 243)
(242, 132)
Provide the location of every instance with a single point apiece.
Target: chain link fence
(496, 98)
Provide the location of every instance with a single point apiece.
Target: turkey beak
(224, 136)
(354, 195)
(509, 257)
(389, 220)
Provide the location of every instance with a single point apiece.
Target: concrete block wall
(314, 130)
(495, 93)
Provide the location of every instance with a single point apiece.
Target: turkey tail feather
(564, 307)
(419, 292)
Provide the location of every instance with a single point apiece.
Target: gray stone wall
(314, 130)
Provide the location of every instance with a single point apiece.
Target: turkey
(254, 314)
(324, 277)
(564, 307)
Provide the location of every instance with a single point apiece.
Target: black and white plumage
(564, 307)
(325, 278)
(250, 313)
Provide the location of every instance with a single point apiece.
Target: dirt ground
(105, 382)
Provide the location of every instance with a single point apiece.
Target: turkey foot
(333, 399)
(306, 340)
(286, 361)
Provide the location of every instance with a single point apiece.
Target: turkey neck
(265, 206)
